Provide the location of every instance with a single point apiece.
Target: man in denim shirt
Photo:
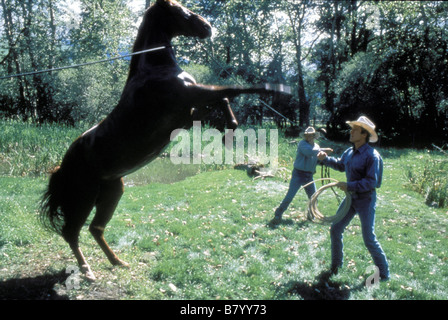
(363, 166)
(304, 168)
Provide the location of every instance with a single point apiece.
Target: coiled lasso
(313, 211)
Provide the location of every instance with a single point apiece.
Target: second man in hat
(304, 169)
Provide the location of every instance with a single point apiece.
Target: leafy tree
(31, 42)
(105, 30)
(38, 38)
(393, 68)
(385, 59)
(402, 81)
(297, 12)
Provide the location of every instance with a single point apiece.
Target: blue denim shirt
(363, 168)
(306, 158)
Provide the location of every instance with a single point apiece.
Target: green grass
(205, 236)
(27, 150)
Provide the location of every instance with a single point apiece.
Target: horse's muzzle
(204, 28)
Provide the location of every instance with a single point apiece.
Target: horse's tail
(51, 214)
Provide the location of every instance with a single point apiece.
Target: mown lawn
(205, 236)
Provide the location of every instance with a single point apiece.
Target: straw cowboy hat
(308, 131)
(366, 124)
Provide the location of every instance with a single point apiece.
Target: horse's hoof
(90, 276)
(120, 263)
(88, 273)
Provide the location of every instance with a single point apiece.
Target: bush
(27, 149)
(431, 180)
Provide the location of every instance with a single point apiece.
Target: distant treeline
(384, 59)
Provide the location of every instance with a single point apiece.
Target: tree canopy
(383, 59)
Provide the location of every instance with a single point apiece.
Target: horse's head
(183, 22)
(162, 21)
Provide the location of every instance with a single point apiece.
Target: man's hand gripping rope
(313, 211)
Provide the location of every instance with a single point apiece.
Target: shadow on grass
(33, 288)
(286, 222)
(324, 289)
(274, 225)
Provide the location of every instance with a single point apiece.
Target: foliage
(46, 34)
(392, 78)
(385, 59)
(429, 177)
(30, 150)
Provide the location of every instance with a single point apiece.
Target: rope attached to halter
(313, 211)
(83, 64)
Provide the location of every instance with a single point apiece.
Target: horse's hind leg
(109, 196)
(77, 210)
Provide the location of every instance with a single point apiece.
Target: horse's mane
(139, 42)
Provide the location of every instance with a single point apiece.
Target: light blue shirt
(306, 158)
(363, 168)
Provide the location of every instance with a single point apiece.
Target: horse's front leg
(231, 121)
(200, 94)
(200, 112)
(224, 105)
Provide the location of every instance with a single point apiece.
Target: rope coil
(313, 211)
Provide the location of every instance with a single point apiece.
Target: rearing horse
(158, 97)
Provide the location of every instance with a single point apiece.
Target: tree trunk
(13, 60)
(44, 101)
(304, 104)
(296, 19)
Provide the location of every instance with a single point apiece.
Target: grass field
(201, 233)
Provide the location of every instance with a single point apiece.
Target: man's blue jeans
(299, 178)
(364, 205)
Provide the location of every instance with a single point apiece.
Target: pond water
(162, 170)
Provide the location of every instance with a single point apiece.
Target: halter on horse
(158, 98)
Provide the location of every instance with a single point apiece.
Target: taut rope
(82, 64)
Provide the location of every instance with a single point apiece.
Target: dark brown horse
(158, 98)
